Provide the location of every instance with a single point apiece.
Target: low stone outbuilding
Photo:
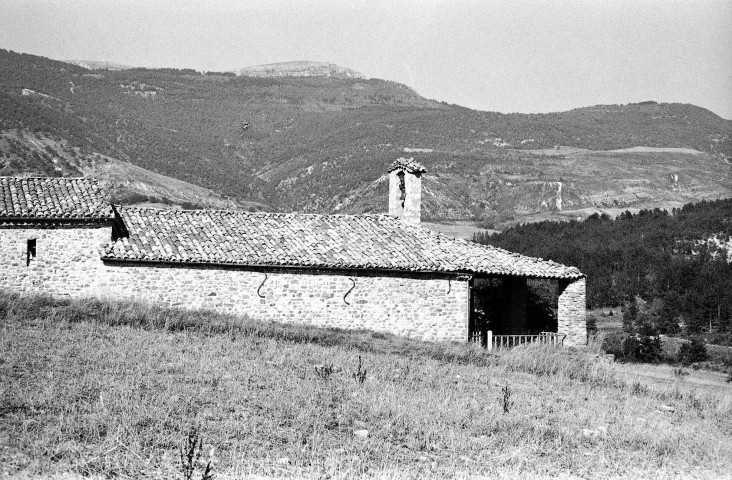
(379, 272)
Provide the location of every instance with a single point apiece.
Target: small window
(31, 251)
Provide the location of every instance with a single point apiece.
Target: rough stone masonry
(384, 273)
(68, 264)
(571, 314)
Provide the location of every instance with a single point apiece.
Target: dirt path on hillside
(663, 375)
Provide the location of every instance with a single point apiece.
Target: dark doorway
(486, 300)
(541, 305)
(511, 306)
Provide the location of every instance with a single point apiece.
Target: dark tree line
(670, 262)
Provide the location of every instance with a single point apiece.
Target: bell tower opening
(405, 190)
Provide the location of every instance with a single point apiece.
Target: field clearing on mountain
(464, 230)
(561, 150)
(112, 389)
(320, 143)
(596, 182)
(641, 149)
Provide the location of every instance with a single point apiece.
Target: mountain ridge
(322, 144)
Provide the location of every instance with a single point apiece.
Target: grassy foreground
(110, 390)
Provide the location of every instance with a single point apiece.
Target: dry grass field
(111, 391)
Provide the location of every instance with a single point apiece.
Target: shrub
(190, 456)
(360, 374)
(643, 349)
(613, 344)
(629, 348)
(591, 326)
(505, 400)
(693, 352)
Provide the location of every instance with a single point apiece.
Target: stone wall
(68, 264)
(418, 307)
(571, 312)
(67, 259)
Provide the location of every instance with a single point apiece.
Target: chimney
(405, 190)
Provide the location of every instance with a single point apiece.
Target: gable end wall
(67, 259)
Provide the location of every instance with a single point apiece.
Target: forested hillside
(679, 262)
(320, 144)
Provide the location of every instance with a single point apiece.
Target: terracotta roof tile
(406, 164)
(52, 199)
(311, 240)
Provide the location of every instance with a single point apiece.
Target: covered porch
(507, 311)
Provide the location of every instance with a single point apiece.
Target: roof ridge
(213, 210)
(95, 179)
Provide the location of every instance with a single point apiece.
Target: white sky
(506, 56)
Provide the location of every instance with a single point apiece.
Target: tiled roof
(52, 199)
(310, 240)
(406, 164)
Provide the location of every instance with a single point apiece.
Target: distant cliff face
(300, 69)
(98, 64)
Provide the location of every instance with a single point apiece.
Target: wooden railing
(508, 341)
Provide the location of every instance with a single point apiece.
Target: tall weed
(548, 360)
(138, 315)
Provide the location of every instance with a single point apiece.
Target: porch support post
(571, 306)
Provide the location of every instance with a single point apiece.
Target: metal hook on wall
(349, 291)
(449, 286)
(261, 285)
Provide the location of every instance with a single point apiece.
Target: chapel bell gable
(405, 190)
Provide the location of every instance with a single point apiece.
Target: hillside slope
(25, 153)
(322, 144)
(110, 390)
